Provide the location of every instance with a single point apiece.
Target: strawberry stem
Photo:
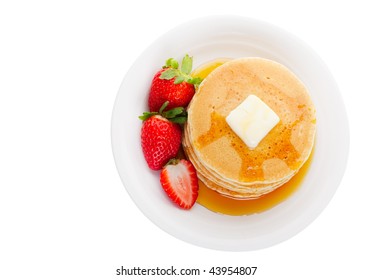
(165, 104)
(172, 161)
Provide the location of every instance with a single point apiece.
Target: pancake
(228, 189)
(224, 163)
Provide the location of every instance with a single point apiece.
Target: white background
(64, 213)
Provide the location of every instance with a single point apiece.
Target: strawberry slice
(180, 182)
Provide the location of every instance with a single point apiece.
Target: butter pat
(252, 120)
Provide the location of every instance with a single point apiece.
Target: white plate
(228, 36)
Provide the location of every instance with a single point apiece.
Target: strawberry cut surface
(180, 183)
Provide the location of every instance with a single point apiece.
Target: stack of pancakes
(223, 162)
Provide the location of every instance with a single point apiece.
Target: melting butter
(252, 120)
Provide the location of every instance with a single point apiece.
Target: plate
(229, 36)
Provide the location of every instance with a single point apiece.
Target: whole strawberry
(161, 135)
(173, 84)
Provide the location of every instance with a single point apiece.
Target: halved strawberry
(179, 180)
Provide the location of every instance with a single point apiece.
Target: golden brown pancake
(224, 163)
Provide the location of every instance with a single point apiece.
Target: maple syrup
(218, 203)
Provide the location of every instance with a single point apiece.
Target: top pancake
(284, 149)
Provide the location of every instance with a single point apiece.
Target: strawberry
(173, 84)
(161, 135)
(180, 182)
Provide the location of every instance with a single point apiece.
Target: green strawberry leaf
(169, 74)
(171, 62)
(186, 65)
(194, 81)
(173, 112)
(179, 79)
(179, 120)
(180, 75)
(176, 115)
(147, 115)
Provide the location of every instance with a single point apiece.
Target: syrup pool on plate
(216, 202)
